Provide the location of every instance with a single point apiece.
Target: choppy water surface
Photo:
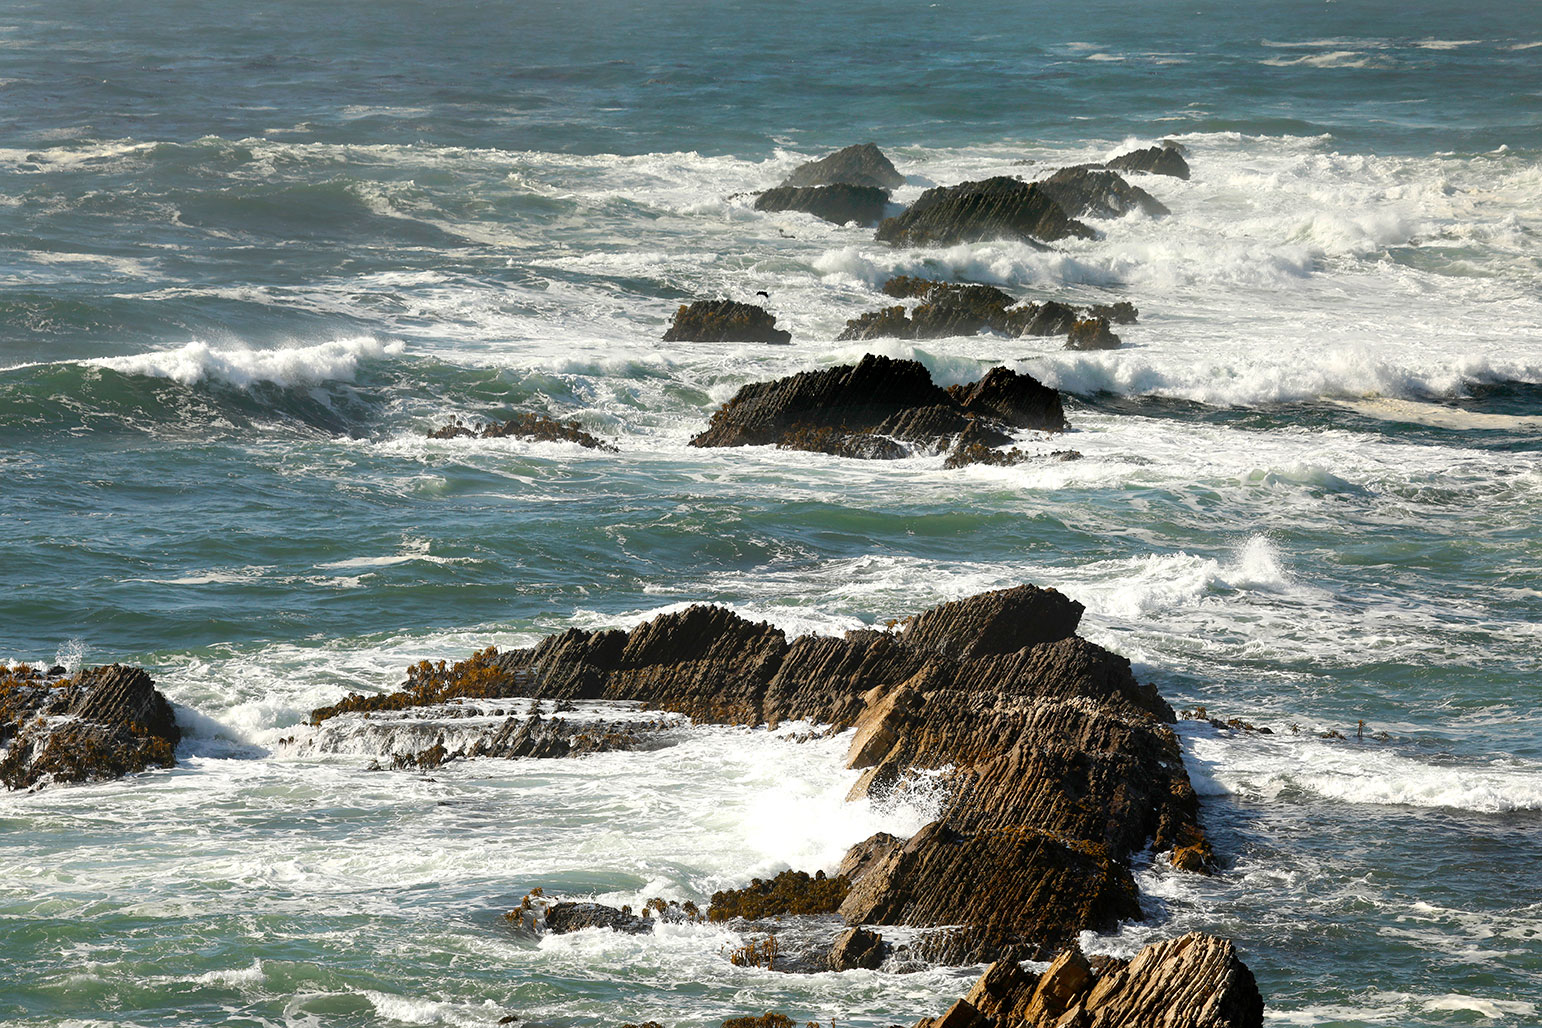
(248, 259)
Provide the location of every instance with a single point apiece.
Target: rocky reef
(1087, 191)
(724, 321)
(880, 408)
(962, 309)
(1057, 764)
(538, 427)
(103, 722)
(841, 204)
(860, 165)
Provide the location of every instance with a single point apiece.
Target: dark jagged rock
(769, 1019)
(857, 947)
(840, 204)
(867, 409)
(1016, 399)
(1091, 334)
(1196, 981)
(860, 165)
(791, 892)
(1089, 192)
(952, 309)
(1156, 160)
(1056, 765)
(724, 321)
(995, 208)
(104, 722)
(1121, 313)
(525, 426)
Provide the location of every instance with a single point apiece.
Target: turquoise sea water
(249, 257)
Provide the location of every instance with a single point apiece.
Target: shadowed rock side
(104, 722)
(840, 204)
(1057, 765)
(1155, 160)
(1089, 192)
(995, 208)
(538, 427)
(1196, 981)
(860, 165)
(724, 321)
(955, 309)
(869, 409)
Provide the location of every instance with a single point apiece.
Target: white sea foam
(333, 361)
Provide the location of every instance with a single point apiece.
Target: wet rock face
(538, 427)
(1196, 981)
(995, 208)
(866, 409)
(996, 623)
(1154, 160)
(724, 321)
(857, 947)
(571, 917)
(860, 165)
(841, 204)
(1091, 334)
(102, 723)
(1089, 192)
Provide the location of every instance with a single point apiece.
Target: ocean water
(249, 257)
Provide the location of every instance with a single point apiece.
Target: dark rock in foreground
(840, 204)
(871, 408)
(104, 722)
(1156, 160)
(1058, 766)
(995, 208)
(538, 427)
(860, 165)
(724, 321)
(1196, 981)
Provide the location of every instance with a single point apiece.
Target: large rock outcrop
(994, 208)
(1085, 191)
(860, 165)
(841, 204)
(872, 407)
(724, 321)
(103, 722)
(1058, 766)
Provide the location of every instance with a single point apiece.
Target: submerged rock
(724, 321)
(538, 427)
(572, 917)
(995, 208)
(103, 722)
(860, 165)
(841, 204)
(870, 408)
(1156, 160)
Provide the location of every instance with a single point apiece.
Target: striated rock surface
(860, 165)
(841, 204)
(724, 321)
(870, 408)
(103, 722)
(994, 208)
(524, 426)
(1155, 160)
(1057, 766)
(1090, 192)
(1196, 981)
